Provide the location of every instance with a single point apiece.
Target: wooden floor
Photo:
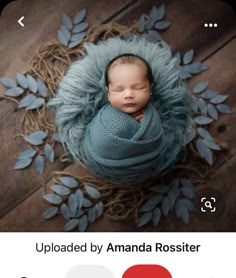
(21, 203)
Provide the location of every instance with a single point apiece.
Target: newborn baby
(129, 80)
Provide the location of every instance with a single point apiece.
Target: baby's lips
(147, 271)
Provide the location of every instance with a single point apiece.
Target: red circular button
(147, 271)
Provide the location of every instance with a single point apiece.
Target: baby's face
(129, 88)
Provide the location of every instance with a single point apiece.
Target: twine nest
(49, 64)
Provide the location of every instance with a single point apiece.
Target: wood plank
(187, 24)
(18, 44)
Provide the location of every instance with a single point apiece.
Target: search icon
(208, 204)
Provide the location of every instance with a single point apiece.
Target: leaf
(62, 38)
(218, 99)
(92, 215)
(80, 16)
(53, 199)
(65, 211)
(66, 33)
(39, 163)
(22, 163)
(204, 133)
(50, 213)
(175, 183)
(187, 183)
(87, 203)
(26, 101)
(165, 206)
(156, 216)
(202, 120)
(160, 188)
(187, 192)
(188, 57)
(204, 151)
(208, 94)
(172, 198)
(162, 25)
(149, 23)
(80, 197)
(223, 108)
(83, 223)
(67, 21)
(144, 219)
(60, 189)
(80, 27)
(152, 36)
(178, 207)
(78, 37)
(151, 203)
(71, 225)
(178, 57)
(32, 84)
(99, 209)
(183, 74)
(69, 182)
(160, 13)
(74, 43)
(195, 68)
(202, 106)
(14, 92)
(200, 87)
(184, 215)
(36, 138)
(212, 112)
(190, 136)
(26, 154)
(49, 152)
(37, 103)
(56, 137)
(8, 82)
(22, 80)
(42, 89)
(141, 24)
(72, 204)
(211, 144)
(92, 191)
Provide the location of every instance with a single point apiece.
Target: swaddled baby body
(129, 81)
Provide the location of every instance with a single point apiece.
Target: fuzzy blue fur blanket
(111, 143)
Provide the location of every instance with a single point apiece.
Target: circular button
(147, 270)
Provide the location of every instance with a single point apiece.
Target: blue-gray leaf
(165, 206)
(202, 106)
(80, 197)
(92, 215)
(218, 99)
(190, 136)
(211, 144)
(8, 82)
(141, 24)
(99, 209)
(80, 27)
(65, 211)
(26, 101)
(60, 189)
(69, 182)
(183, 74)
(208, 94)
(187, 204)
(187, 192)
(49, 152)
(32, 84)
(74, 43)
(188, 57)
(156, 216)
(151, 203)
(160, 13)
(37, 103)
(92, 191)
(66, 33)
(212, 112)
(172, 198)
(42, 89)
(36, 138)
(14, 92)
(80, 16)
(153, 36)
(160, 188)
(22, 163)
(184, 215)
(67, 22)
(204, 151)
(72, 204)
(22, 80)
(71, 225)
(200, 87)
(78, 37)
(83, 223)
(144, 219)
(87, 203)
(195, 68)
(62, 38)
(178, 57)
(39, 164)
(202, 120)
(53, 199)
(204, 133)
(56, 137)
(223, 108)
(50, 213)
(162, 25)
(28, 153)
(186, 183)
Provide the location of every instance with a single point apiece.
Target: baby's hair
(128, 58)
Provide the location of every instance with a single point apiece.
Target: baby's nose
(129, 94)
